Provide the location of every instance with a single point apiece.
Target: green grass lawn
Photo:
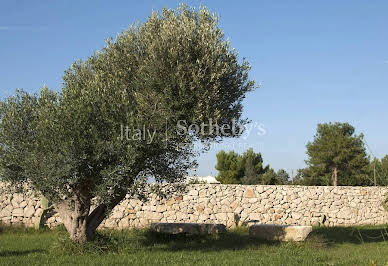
(325, 246)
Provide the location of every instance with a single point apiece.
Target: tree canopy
(336, 156)
(379, 171)
(247, 168)
(86, 144)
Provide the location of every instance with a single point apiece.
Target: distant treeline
(336, 156)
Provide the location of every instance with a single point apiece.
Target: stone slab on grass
(188, 228)
(275, 232)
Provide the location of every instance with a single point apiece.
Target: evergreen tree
(230, 167)
(234, 168)
(253, 167)
(269, 177)
(379, 171)
(337, 156)
(384, 166)
(282, 177)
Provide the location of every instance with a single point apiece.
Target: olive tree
(84, 148)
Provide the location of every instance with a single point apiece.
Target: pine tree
(337, 156)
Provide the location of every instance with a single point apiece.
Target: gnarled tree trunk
(78, 222)
(77, 218)
(74, 213)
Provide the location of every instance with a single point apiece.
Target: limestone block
(193, 192)
(345, 214)
(29, 212)
(153, 215)
(110, 223)
(117, 214)
(23, 204)
(272, 232)
(188, 228)
(5, 213)
(161, 208)
(18, 198)
(255, 216)
(249, 193)
(203, 217)
(18, 212)
(221, 216)
(123, 223)
(297, 216)
(14, 203)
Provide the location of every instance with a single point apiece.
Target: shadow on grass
(11, 253)
(124, 241)
(131, 240)
(232, 240)
(354, 235)
(321, 237)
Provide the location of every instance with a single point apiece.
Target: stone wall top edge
(288, 186)
(282, 187)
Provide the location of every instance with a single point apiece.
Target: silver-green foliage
(68, 145)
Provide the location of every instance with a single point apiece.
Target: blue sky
(317, 62)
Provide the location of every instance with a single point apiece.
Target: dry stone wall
(230, 205)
